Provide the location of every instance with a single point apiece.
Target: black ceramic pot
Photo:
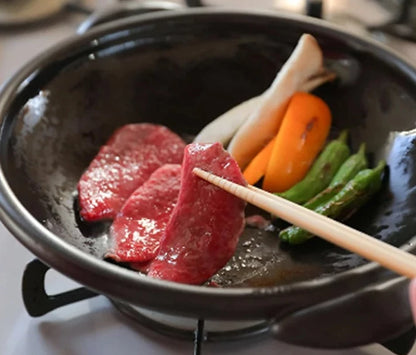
(182, 69)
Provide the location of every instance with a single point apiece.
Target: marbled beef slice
(124, 163)
(138, 228)
(206, 223)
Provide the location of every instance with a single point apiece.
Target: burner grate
(199, 335)
(38, 303)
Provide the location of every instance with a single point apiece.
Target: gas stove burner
(189, 329)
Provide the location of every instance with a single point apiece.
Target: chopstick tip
(196, 171)
(200, 173)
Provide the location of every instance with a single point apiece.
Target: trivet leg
(35, 298)
(199, 337)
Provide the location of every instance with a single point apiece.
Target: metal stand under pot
(38, 303)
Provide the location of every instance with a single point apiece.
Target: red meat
(206, 223)
(127, 160)
(142, 267)
(137, 229)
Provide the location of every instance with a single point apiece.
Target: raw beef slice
(137, 229)
(124, 163)
(206, 223)
(142, 267)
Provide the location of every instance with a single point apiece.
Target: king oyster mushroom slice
(223, 128)
(303, 71)
(305, 62)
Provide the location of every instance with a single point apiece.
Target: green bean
(354, 164)
(345, 173)
(323, 197)
(321, 172)
(354, 194)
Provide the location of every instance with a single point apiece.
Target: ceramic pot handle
(376, 313)
(35, 298)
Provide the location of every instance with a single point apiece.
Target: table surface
(94, 326)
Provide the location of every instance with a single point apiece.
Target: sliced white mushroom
(223, 128)
(305, 62)
(318, 80)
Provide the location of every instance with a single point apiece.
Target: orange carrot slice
(302, 135)
(257, 167)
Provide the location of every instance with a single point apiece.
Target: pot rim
(73, 262)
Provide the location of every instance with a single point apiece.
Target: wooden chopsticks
(335, 232)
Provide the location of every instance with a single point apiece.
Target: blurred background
(27, 27)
